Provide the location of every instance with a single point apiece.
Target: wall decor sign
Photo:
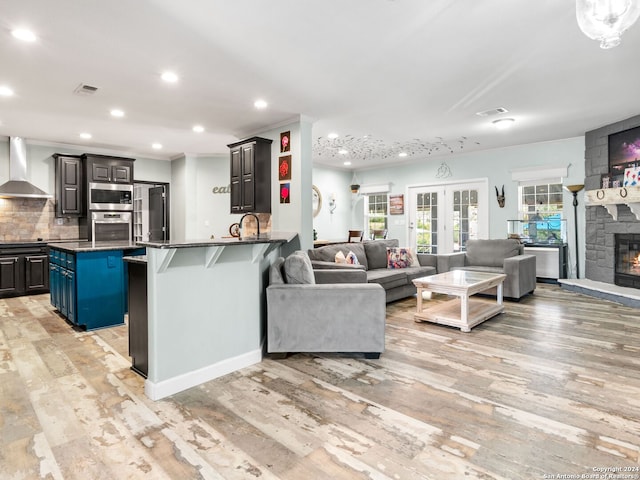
(285, 193)
(285, 142)
(396, 204)
(226, 189)
(284, 168)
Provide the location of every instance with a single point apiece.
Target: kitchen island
(87, 281)
(206, 307)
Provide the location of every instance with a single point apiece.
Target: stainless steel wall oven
(109, 226)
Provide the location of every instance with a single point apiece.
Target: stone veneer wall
(600, 226)
(24, 219)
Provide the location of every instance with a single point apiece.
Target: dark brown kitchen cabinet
(36, 269)
(69, 188)
(9, 275)
(251, 175)
(107, 169)
(24, 270)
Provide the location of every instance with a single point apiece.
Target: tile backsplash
(24, 219)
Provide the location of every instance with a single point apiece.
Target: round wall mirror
(317, 200)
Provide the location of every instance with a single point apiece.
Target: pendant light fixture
(606, 20)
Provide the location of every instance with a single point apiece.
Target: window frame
(368, 215)
(545, 199)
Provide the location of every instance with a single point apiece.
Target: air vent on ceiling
(493, 111)
(84, 89)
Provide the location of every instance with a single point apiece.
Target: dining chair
(355, 236)
(379, 234)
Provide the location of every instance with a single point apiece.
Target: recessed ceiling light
(260, 104)
(24, 35)
(402, 154)
(156, 146)
(5, 91)
(342, 151)
(169, 77)
(85, 135)
(332, 136)
(117, 113)
(347, 163)
(198, 128)
(503, 123)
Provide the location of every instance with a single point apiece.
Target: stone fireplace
(601, 227)
(627, 260)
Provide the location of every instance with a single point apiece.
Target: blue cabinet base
(89, 288)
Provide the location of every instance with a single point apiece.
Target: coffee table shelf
(463, 312)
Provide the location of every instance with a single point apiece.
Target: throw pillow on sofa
(352, 259)
(298, 268)
(398, 257)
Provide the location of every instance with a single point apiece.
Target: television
(624, 151)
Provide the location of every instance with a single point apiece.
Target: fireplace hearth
(627, 260)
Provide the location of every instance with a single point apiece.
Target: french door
(443, 217)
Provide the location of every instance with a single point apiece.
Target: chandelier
(606, 20)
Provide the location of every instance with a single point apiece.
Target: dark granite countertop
(20, 243)
(136, 259)
(86, 246)
(270, 237)
(34, 242)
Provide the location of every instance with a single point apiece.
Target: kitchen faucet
(257, 222)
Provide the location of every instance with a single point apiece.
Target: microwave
(110, 196)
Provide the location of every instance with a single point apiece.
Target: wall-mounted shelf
(610, 198)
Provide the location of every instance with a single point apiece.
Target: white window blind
(539, 175)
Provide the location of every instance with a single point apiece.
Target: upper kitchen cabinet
(107, 169)
(69, 188)
(251, 175)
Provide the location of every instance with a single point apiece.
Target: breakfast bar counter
(206, 307)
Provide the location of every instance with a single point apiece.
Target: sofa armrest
(449, 261)
(340, 275)
(521, 273)
(321, 265)
(428, 260)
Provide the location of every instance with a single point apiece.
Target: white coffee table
(463, 312)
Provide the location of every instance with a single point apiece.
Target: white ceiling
(401, 71)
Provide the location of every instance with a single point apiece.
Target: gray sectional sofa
(372, 258)
(322, 311)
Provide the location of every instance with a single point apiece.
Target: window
(427, 222)
(541, 204)
(376, 211)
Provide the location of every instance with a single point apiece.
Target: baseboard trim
(160, 390)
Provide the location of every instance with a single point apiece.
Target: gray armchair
(498, 256)
(307, 314)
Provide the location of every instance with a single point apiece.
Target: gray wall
(600, 226)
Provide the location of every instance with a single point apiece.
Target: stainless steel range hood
(18, 186)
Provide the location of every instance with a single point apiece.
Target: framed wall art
(285, 142)
(396, 204)
(285, 193)
(284, 168)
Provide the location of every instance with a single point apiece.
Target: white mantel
(610, 198)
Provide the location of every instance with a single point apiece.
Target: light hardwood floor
(550, 387)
